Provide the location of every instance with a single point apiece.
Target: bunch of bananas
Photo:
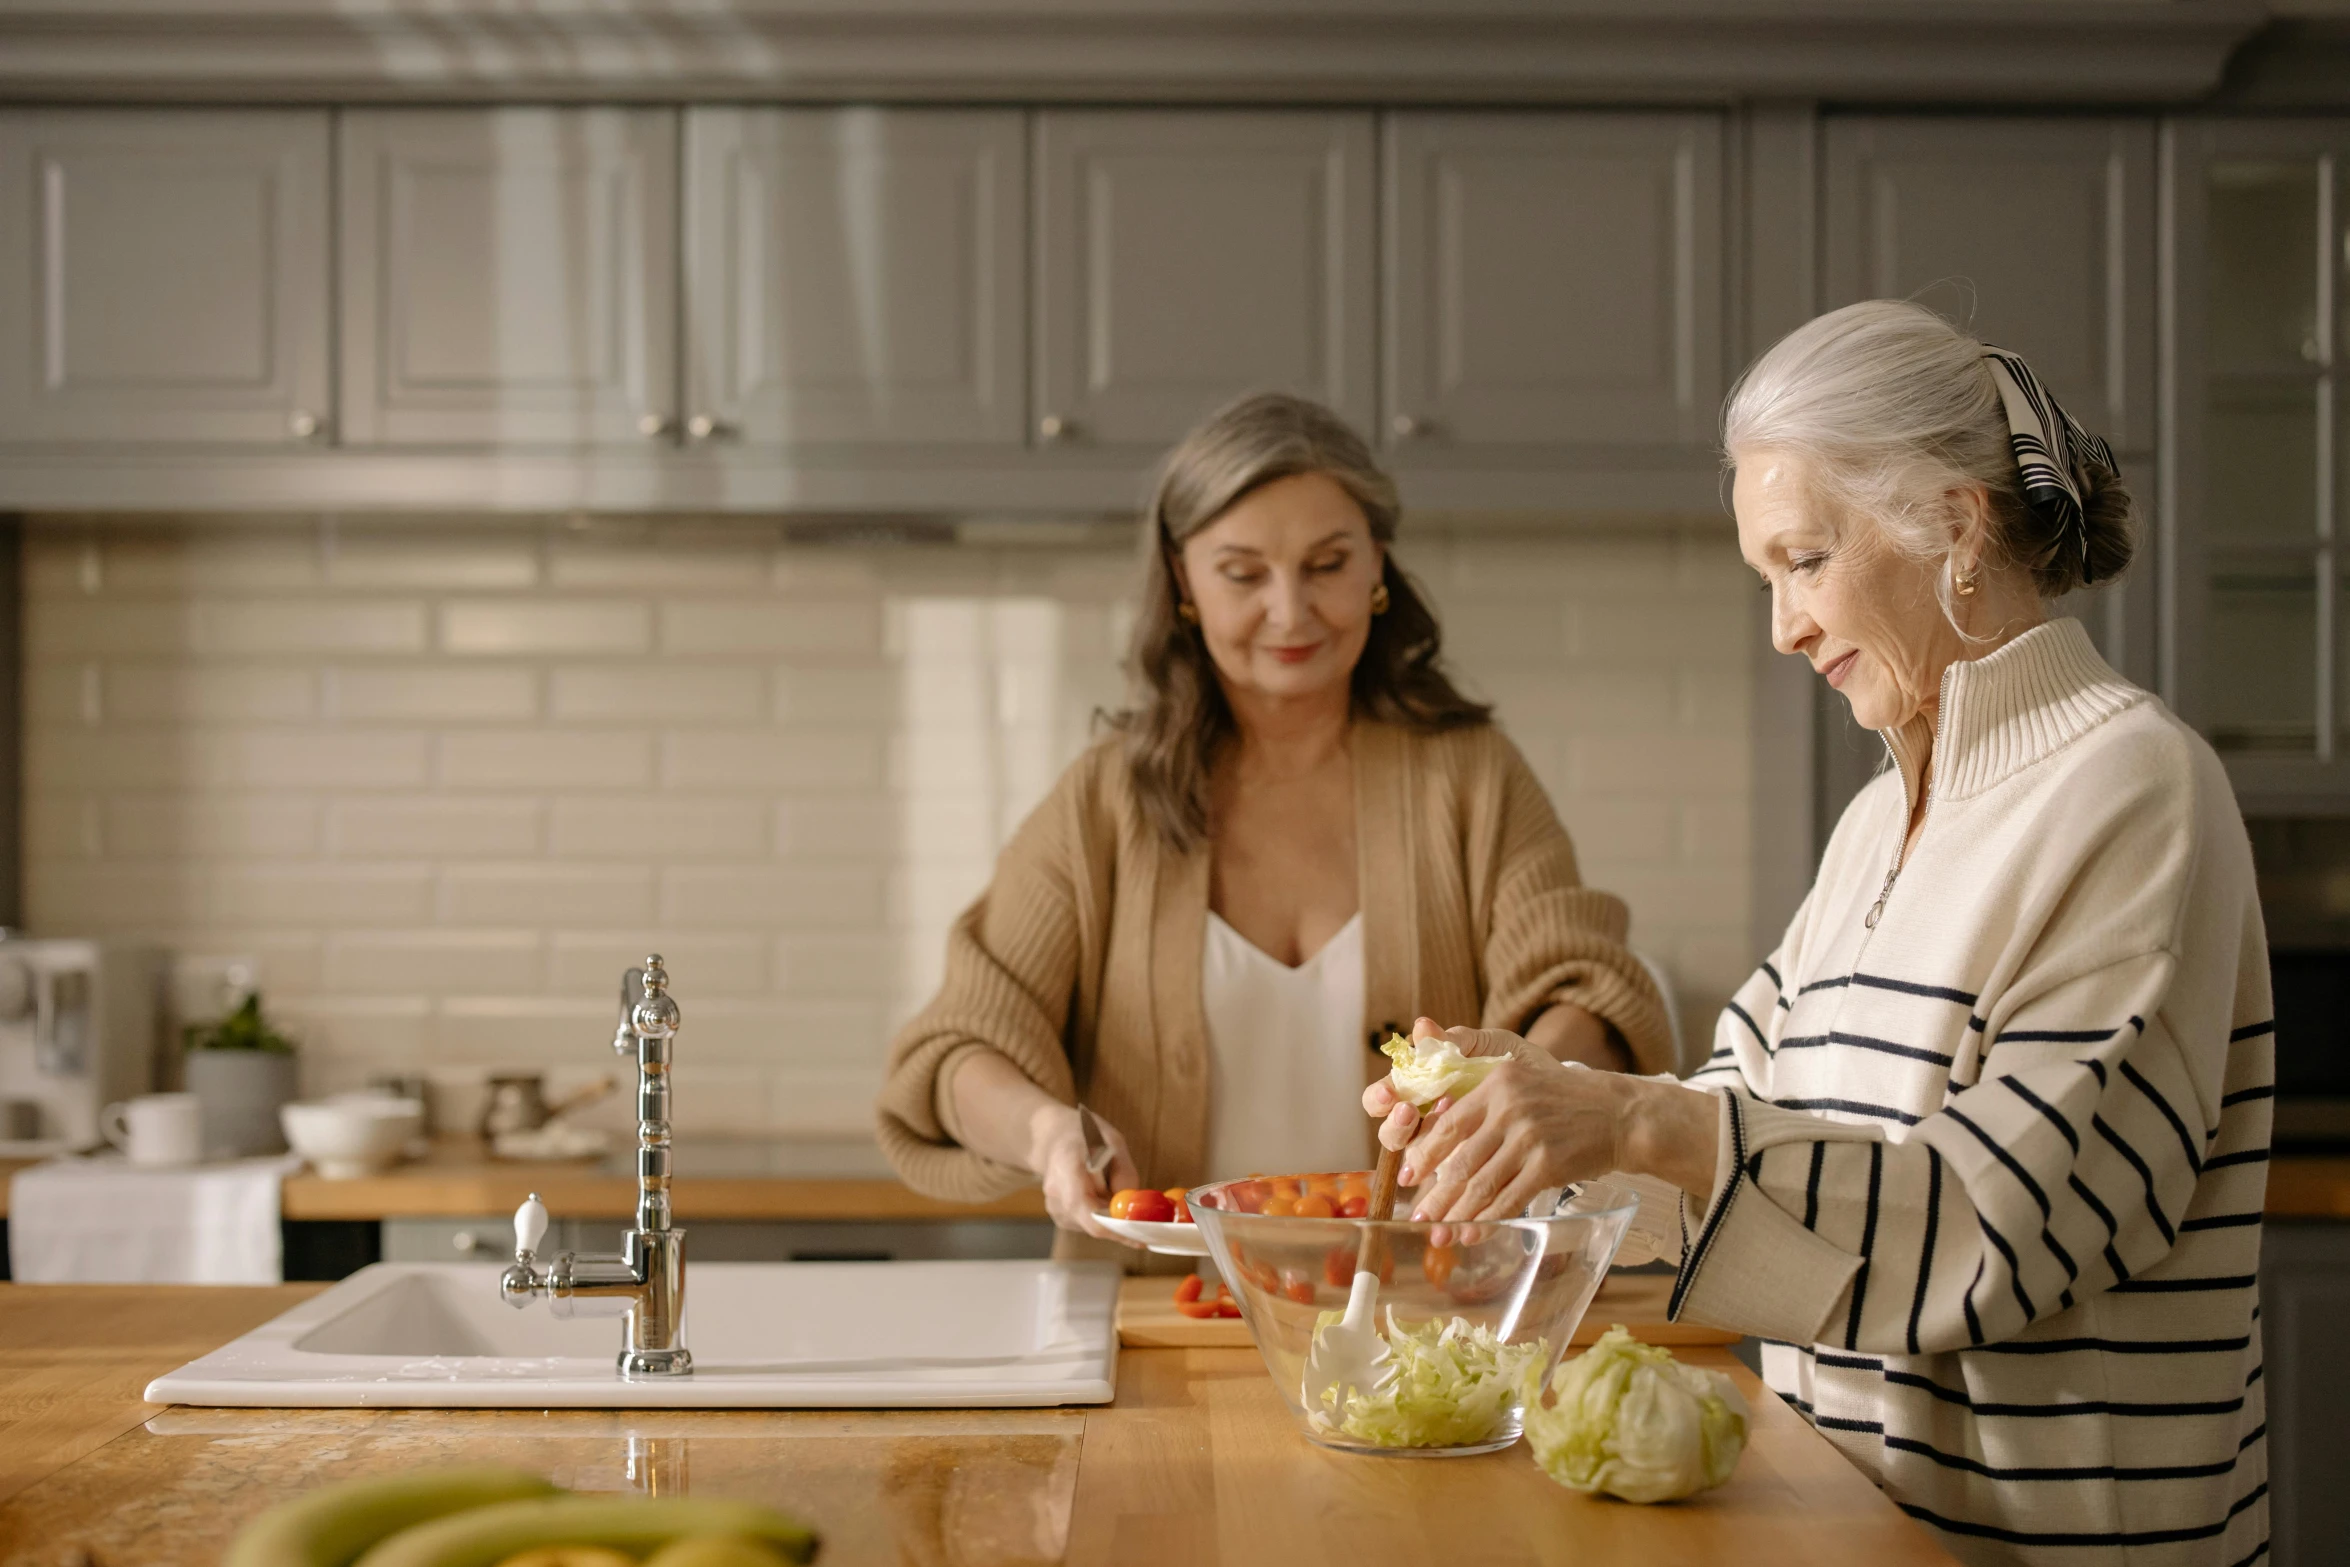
(491, 1517)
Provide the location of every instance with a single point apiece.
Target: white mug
(155, 1128)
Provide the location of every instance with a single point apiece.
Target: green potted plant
(241, 1070)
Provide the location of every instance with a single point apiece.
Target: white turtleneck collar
(2010, 708)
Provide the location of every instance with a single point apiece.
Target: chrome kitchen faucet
(647, 1279)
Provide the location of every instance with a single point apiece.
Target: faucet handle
(656, 1015)
(530, 1228)
(624, 1037)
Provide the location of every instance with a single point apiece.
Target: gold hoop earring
(1188, 612)
(1379, 598)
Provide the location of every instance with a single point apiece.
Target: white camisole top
(1285, 1055)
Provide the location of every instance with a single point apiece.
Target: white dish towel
(105, 1220)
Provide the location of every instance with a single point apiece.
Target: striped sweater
(1996, 1131)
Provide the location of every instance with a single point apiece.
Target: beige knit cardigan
(1080, 964)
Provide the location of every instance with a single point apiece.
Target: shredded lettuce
(1430, 1069)
(1632, 1421)
(1454, 1384)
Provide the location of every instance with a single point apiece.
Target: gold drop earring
(1378, 598)
(1962, 583)
(1187, 612)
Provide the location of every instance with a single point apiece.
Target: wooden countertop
(458, 1181)
(1196, 1461)
(2309, 1186)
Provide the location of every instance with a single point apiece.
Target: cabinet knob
(1052, 427)
(654, 426)
(1407, 428)
(469, 1243)
(702, 427)
(303, 425)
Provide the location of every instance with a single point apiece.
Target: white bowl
(351, 1135)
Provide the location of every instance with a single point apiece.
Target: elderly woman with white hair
(1980, 1151)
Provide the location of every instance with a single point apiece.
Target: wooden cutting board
(1147, 1318)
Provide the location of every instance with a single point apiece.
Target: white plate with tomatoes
(1160, 1221)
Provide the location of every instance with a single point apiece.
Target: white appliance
(77, 1032)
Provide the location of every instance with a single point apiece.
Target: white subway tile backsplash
(150, 760)
(73, 627)
(326, 895)
(64, 826)
(431, 693)
(849, 629)
(484, 554)
(217, 555)
(820, 1102)
(190, 826)
(64, 695)
(446, 962)
(788, 1035)
(722, 964)
(832, 967)
(499, 1032)
(869, 829)
(546, 896)
(219, 627)
(442, 779)
(344, 1038)
(770, 759)
(199, 693)
(666, 553)
(380, 826)
(660, 827)
(546, 759)
(1685, 765)
(538, 625)
(283, 962)
(818, 695)
(683, 694)
(797, 897)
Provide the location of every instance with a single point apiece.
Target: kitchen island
(1196, 1461)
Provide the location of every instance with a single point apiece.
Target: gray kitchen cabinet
(163, 276)
(2259, 452)
(2304, 1300)
(2034, 234)
(1552, 281)
(1184, 257)
(856, 275)
(508, 276)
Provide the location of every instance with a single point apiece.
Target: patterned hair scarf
(2058, 459)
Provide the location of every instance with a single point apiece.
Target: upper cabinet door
(2034, 234)
(856, 274)
(1183, 258)
(509, 275)
(1553, 280)
(163, 276)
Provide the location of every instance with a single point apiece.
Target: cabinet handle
(1407, 428)
(653, 426)
(702, 427)
(304, 425)
(1053, 428)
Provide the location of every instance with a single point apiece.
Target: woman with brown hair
(1300, 837)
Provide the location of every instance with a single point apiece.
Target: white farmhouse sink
(789, 1335)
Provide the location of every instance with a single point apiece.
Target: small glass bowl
(1524, 1281)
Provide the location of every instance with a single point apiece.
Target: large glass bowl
(1523, 1283)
